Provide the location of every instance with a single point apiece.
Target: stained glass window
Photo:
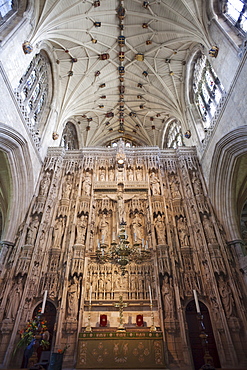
(33, 92)
(207, 88)
(174, 137)
(5, 7)
(236, 12)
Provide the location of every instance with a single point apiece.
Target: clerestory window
(236, 12)
(34, 93)
(174, 137)
(207, 90)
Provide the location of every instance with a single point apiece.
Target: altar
(120, 350)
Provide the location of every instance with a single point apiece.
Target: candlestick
(90, 295)
(196, 301)
(44, 301)
(150, 295)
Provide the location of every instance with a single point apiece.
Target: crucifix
(121, 305)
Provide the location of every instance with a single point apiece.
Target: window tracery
(236, 12)
(127, 143)
(33, 93)
(7, 9)
(174, 137)
(207, 89)
(69, 138)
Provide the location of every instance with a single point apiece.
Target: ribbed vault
(164, 32)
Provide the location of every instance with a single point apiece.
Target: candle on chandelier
(150, 295)
(135, 237)
(196, 301)
(44, 301)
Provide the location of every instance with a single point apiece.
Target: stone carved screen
(81, 200)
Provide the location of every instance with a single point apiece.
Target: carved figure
(137, 227)
(226, 296)
(44, 184)
(175, 192)
(67, 187)
(121, 213)
(183, 232)
(81, 229)
(111, 175)
(168, 297)
(209, 230)
(58, 232)
(73, 298)
(139, 174)
(160, 230)
(87, 185)
(14, 299)
(155, 186)
(197, 185)
(102, 174)
(130, 174)
(32, 230)
(104, 228)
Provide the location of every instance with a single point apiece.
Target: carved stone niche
(77, 262)
(24, 260)
(70, 327)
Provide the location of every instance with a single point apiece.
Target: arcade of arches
(124, 121)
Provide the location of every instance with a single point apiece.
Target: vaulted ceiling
(149, 92)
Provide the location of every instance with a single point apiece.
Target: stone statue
(104, 228)
(44, 184)
(226, 296)
(14, 299)
(32, 231)
(168, 297)
(160, 230)
(111, 175)
(130, 174)
(209, 230)
(137, 227)
(139, 174)
(183, 232)
(73, 299)
(102, 175)
(155, 186)
(81, 228)
(121, 213)
(175, 192)
(197, 185)
(58, 232)
(87, 185)
(67, 187)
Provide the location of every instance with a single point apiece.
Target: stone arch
(17, 159)
(227, 180)
(172, 124)
(69, 138)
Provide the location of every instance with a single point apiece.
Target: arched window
(173, 136)
(236, 12)
(34, 94)
(207, 89)
(7, 9)
(69, 138)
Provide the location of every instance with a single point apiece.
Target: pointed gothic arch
(16, 154)
(227, 181)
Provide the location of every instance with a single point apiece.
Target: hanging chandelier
(122, 253)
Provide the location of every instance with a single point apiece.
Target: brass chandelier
(122, 253)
